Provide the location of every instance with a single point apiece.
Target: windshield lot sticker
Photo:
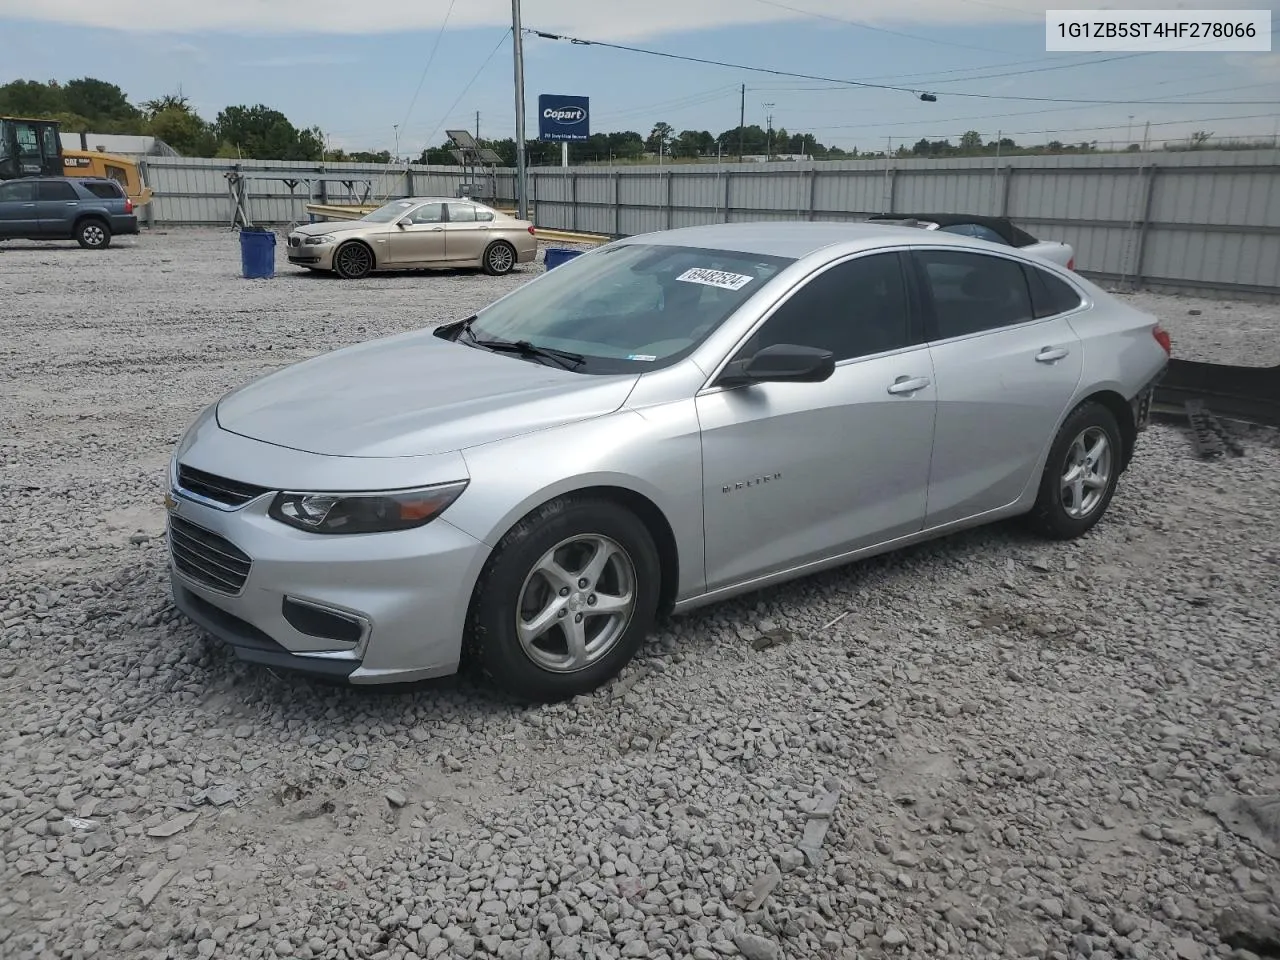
(715, 278)
(641, 356)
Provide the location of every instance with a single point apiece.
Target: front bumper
(317, 256)
(403, 596)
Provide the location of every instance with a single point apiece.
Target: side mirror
(406, 222)
(781, 363)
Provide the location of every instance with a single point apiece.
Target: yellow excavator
(33, 148)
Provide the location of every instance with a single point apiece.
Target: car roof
(797, 239)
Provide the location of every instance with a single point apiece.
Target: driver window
(854, 309)
(428, 213)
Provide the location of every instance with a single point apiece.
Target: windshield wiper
(526, 349)
(522, 347)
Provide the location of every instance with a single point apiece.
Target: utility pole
(742, 126)
(769, 123)
(522, 170)
(477, 125)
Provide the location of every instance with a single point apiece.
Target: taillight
(1162, 338)
(531, 230)
(128, 205)
(1071, 264)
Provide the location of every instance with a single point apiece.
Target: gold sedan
(414, 234)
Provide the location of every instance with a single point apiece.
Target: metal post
(564, 153)
(1004, 199)
(669, 210)
(813, 192)
(728, 175)
(1146, 222)
(573, 199)
(522, 171)
(995, 169)
(617, 204)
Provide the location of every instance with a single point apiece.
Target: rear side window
(973, 292)
(107, 191)
(484, 215)
(462, 213)
(55, 190)
(1049, 295)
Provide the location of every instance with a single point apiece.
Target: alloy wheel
(1086, 473)
(576, 603)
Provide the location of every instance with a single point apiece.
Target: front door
(18, 209)
(420, 242)
(798, 472)
(1004, 379)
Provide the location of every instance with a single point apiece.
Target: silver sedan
(664, 422)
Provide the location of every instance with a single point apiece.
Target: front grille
(232, 493)
(207, 558)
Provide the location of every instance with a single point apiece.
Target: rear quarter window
(106, 191)
(1050, 296)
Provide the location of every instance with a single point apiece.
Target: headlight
(319, 241)
(364, 512)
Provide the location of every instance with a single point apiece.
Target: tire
(499, 258)
(353, 260)
(93, 234)
(537, 663)
(1089, 442)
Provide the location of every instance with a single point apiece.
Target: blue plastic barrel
(257, 253)
(559, 255)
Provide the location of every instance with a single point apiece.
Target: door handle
(436, 229)
(1051, 354)
(908, 385)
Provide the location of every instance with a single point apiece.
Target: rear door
(466, 235)
(56, 206)
(1004, 377)
(18, 209)
(421, 241)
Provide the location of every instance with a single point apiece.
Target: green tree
(170, 118)
(660, 138)
(971, 142)
(266, 134)
(31, 98)
(105, 104)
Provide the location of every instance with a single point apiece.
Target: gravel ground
(1217, 331)
(986, 747)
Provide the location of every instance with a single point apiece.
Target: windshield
(390, 211)
(631, 307)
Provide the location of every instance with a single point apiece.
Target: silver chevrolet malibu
(666, 421)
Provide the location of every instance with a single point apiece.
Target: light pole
(396, 128)
(522, 171)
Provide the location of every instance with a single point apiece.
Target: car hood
(413, 395)
(335, 226)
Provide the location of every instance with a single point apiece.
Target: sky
(398, 73)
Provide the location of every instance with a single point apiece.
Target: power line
(916, 91)
(1118, 126)
(430, 59)
(476, 76)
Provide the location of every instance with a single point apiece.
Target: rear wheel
(93, 234)
(353, 260)
(499, 258)
(566, 600)
(1080, 475)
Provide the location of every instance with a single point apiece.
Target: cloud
(303, 60)
(614, 20)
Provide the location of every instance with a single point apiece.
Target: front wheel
(1080, 475)
(499, 259)
(566, 600)
(353, 261)
(93, 235)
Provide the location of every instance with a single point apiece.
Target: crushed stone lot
(990, 746)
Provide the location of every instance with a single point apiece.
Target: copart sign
(563, 117)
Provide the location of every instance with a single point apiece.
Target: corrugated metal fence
(1194, 221)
